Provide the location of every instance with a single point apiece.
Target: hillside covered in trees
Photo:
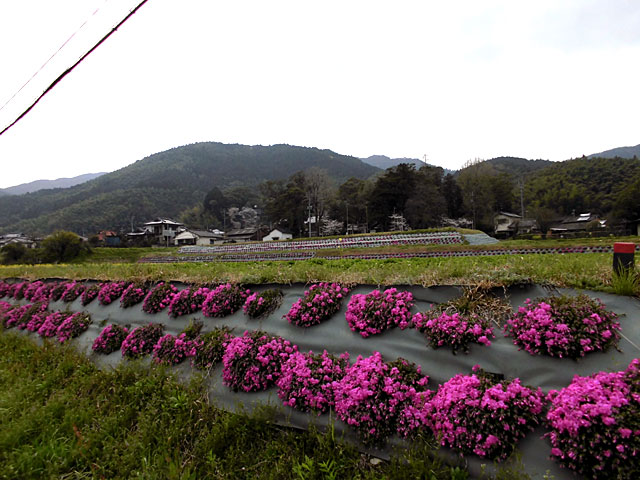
(211, 185)
(166, 184)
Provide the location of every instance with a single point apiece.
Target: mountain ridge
(45, 184)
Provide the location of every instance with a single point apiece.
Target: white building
(278, 234)
(198, 237)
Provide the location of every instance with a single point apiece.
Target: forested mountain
(44, 184)
(383, 162)
(165, 184)
(621, 152)
(518, 166)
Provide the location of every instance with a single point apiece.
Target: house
(109, 238)
(164, 230)
(242, 235)
(18, 239)
(507, 225)
(198, 237)
(578, 224)
(278, 233)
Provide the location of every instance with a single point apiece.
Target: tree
(475, 182)
(62, 246)
(391, 192)
(452, 196)
(319, 192)
(13, 253)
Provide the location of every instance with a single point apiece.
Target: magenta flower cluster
(454, 330)
(373, 396)
(210, 348)
(377, 311)
(480, 415)
(72, 291)
(187, 301)
(110, 291)
(90, 294)
(73, 326)
(253, 362)
(306, 380)
(133, 294)
(564, 326)
(159, 298)
(110, 339)
(140, 341)
(172, 350)
(319, 303)
(52, 321)
(595, 424)
(57, 290)
(224, 300)
(20, 316)
(260, 304)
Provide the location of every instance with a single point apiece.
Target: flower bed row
(593, 424)
(558, 326)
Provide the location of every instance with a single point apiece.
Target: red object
(624, 247)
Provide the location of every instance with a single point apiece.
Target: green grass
(61, 417)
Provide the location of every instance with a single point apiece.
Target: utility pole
(309, 217)
(521, 185)
(347, 222)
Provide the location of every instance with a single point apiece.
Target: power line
(72, 67)
(51, 57)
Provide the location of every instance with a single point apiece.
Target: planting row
(558, 326)
(365, 241)
(593, 424)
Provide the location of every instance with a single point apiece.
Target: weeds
(627, 282)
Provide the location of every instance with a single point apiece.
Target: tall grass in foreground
(627, 282)
(63, 418)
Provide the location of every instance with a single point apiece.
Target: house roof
(281, 230)
(507, 214)
(242, 232)
(164, 221)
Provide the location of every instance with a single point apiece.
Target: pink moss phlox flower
(564, 326)
(133, 294)
(595, 424)
(159, 298)
(454, 330)
(379, 399)
(306, 380)
(260, 304)
(110, 339)
(224, 300)
(90, 294)
(49, 327)
(73, 326)
(318, 304)
(253, 362)
(171, 350)
(377, 311)
(111, 291)
(210, 348)
(187, 301)
(475, 414)
(140, 341)
(72, 291)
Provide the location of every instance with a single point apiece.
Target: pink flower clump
(210, 348)
(110, 339)
(476, 414)
(319, 303)
(595, 424)
(140, 341)
(133, 294)
(453, 330)
(564, 326)
(171, 350)
(224, 300)
(187, 301)
(253, 362)
(111, 291)
(306, 380)
(260, 304)
(72, 291)
(73, 326)
(159, 298)
(377, 311)
(49, 327)
(90, 294)
(373, 396)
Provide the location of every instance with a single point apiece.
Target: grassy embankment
(64, 418)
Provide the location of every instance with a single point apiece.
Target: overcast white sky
(453, 80)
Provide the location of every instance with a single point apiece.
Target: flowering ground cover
(172, 350)
(253, 362)
(377, 311)
(224, 300)
(111, 291)
(52, 321)
(319, 303)
(90, 294)
(595, 424)
(133, 294)
(72, 291)
(188, 300)
(159, 297)
(210, 348)
(73, 326)
(261, 304)
(373, 395)
(306, 380)
(477, 414)
(564, 326)
(140, 341)
(110, 339)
